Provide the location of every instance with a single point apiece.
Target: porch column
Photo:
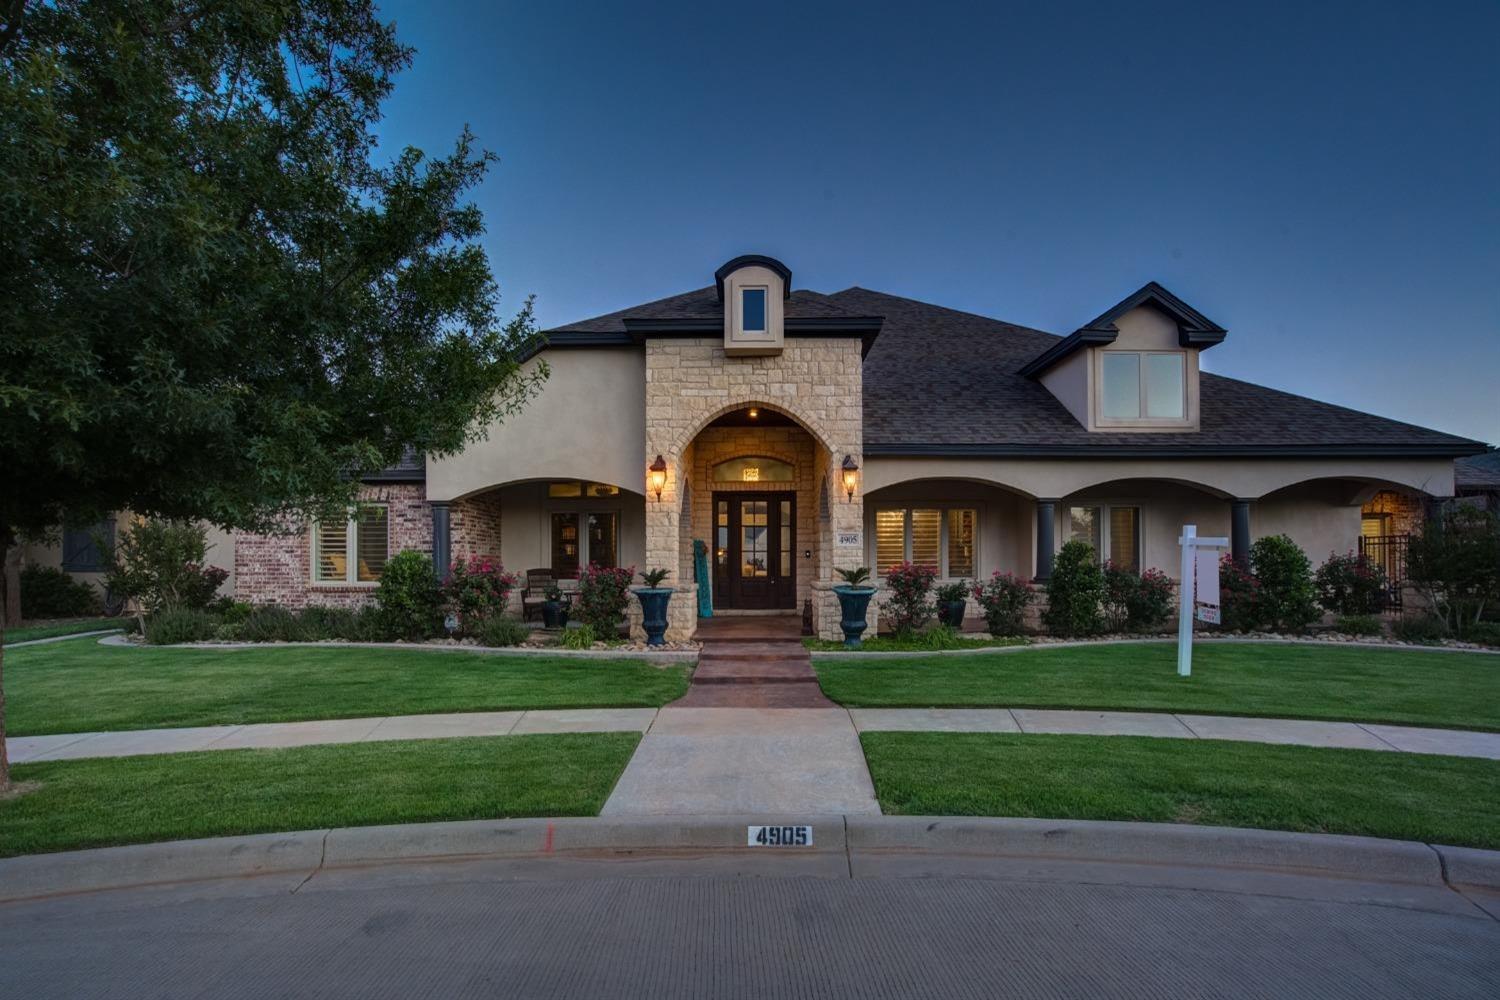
(442, 545)
(1239, 531)
(1046, 542)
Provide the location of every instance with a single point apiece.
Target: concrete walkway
(1301, 732)
(73, 746)
(774, 750)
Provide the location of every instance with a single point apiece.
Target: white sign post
(1200, 582)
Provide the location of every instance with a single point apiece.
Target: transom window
(573, 488)
(355, 551)
(929, 536)
(755, 469)
(1114, 532)
(753, 310)
(1138, 385)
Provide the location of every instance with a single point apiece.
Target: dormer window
(1142, 385)
(753, 310)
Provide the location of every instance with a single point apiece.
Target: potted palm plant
(854, 600)
(653, 597)
(951, 598)
(554, 607)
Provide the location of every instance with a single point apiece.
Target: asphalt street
(459, 930)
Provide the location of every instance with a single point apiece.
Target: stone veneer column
(690, 382)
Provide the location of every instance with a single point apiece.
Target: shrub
(603, 594)
(947, 593)
(1455, 562)
(1350, 584)
(1239, 597)
(1120, 586)
(907, 608)
(234, 612)
(159, 564)
(1286, 587)
(1075, 592)
(409, 597)
(502, 630)
(581, 637)
(1004, 598)
(325, 623)
(272, 623)
(1150, 605)
(47, 592)
(477, 589)
(174, 625)
(1424, 629)
(1484, 633)
(939, 636)
(1357, 624)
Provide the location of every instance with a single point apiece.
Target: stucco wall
(587, 422)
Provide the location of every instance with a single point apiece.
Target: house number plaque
(779, 836)
(849, 539)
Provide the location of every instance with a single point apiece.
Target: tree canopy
(220, 302)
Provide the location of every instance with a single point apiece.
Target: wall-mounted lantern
(851, 476)
(658, 476)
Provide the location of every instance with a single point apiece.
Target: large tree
(220, 302)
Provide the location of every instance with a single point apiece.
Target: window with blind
(1114, 533)
(944, 537)
(355, 551)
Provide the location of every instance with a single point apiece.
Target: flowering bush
(1350, 585)
(160, 565)
(603, 594)
(907, 605)
(477, 589)
(1151, 604)
(1239, 597)
(1004, 598)
(1135, 603)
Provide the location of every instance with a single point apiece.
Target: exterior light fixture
(754, 412)
(851, 476)
(658, 476)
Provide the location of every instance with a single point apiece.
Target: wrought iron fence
(1389, 553)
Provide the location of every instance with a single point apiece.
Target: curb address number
(780, 836)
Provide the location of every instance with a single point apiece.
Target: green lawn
(70, 687)
(47, 630)
(132, 800)
(1456, 690)
(1447, 800)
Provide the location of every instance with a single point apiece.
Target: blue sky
(1322, 179)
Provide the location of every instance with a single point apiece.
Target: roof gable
(1193, 328)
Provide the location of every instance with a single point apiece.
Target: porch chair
(535, 594)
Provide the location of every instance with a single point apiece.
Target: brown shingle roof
(941, 381)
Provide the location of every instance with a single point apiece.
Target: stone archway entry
(755, 551)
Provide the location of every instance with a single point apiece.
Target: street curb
(1328, 855)
(36, 875)
(306, 853)
(648, 656)
(1470, 866)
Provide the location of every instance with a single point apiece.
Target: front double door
(755, 542)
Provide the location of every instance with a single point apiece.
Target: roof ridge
(947, 309)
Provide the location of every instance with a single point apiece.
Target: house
(795, 433)
(1476, 480)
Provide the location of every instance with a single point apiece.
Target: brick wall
(474, 526)
(277, 569)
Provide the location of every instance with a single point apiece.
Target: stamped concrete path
(754, 734)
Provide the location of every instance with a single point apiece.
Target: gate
(1389, 553)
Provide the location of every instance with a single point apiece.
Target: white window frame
(1063, 534)
(351, 550)
(1140, 419)
(739, 308)
(943, 508)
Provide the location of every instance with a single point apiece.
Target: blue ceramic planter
(853, 603)
(654, 613)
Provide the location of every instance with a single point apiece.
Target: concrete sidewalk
(1300, 732)
(73, 746)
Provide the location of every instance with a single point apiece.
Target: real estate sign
(1198, 595)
